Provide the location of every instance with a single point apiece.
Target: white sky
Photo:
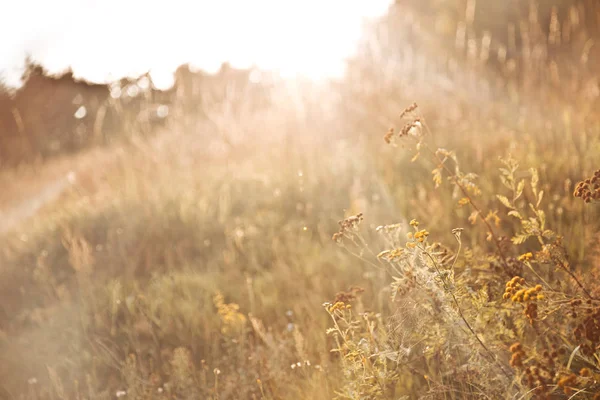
(108, 39)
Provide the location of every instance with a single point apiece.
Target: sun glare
(101, 41)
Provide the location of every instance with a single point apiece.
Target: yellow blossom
(421, 235)
(337, 306)
(525, 257)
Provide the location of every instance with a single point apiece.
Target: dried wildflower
(391, 228)
(457, 232)
(414, 223)
(518, 355)
(337, 237)
(589, 189)
(347, 225)
(389, 136)
(409, 110)
(352, 221)
(587, 330)
(567, 382)
(413, 128)
(348, 296)
(531, 312)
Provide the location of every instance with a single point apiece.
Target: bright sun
(108, 39)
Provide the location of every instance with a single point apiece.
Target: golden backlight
(104, 40)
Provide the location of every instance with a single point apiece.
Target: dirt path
(28, 189)
(27, 208)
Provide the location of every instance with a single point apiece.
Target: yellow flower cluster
(421, 235)
(519, 294)
(525, 257)
(339, 305)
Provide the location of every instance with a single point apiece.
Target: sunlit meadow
(422, 226)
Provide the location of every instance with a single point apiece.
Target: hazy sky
(104, 39)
